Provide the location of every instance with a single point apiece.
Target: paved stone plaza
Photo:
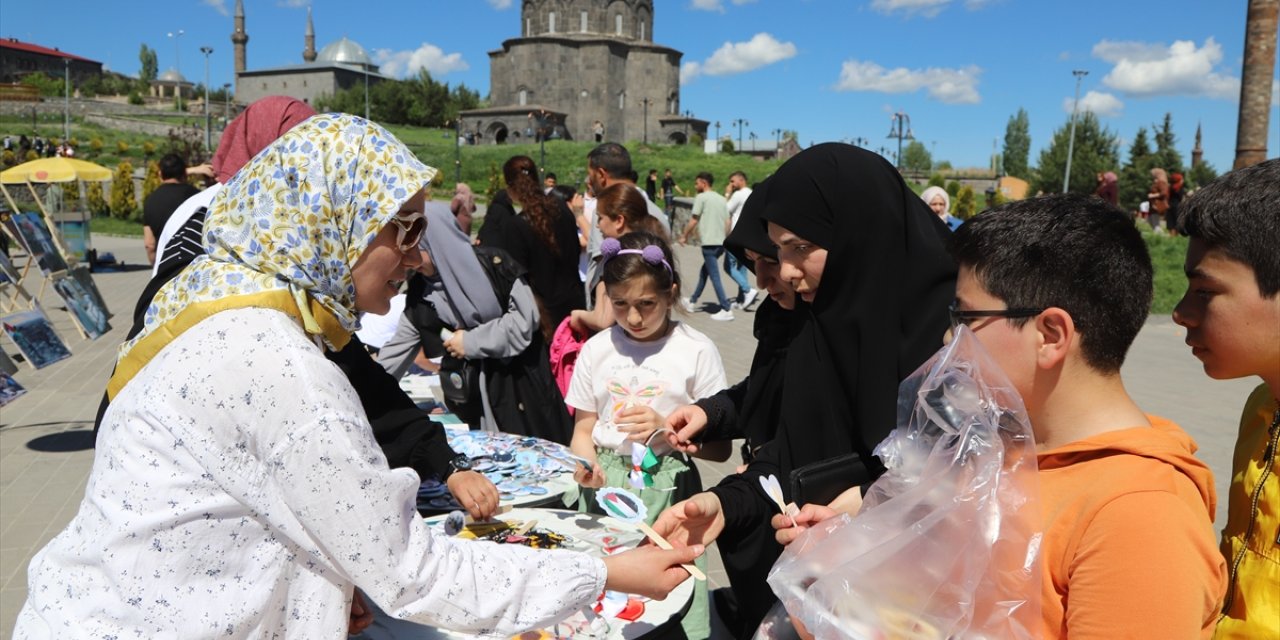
(46, 437)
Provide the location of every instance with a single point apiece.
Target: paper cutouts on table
(520, 467)
(629, 508)
(35, 338)
(9, 389)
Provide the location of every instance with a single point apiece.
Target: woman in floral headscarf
(237, 489)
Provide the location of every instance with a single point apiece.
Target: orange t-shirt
(1129, 549)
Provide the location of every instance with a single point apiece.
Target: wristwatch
(459, 462)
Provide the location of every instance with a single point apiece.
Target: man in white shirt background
(737, 193)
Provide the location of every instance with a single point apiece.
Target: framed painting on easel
(35, 338)
(85, 308)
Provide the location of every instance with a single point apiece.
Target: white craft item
(774, 490)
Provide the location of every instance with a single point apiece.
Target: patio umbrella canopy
(55, 170)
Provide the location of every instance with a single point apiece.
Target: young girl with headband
(630, 376)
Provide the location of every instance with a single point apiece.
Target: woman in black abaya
(870, 259)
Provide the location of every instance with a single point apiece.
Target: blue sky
(830, 69)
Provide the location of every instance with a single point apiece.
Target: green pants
(675, 479)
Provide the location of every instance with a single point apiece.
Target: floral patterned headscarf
(284, 234)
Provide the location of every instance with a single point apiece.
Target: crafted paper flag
(774, 491)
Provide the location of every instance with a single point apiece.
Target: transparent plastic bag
(946, 544)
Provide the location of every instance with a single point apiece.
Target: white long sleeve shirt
(237, 492)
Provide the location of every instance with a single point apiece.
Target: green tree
(936, 180)
(942, 165)
(123, 201)
(953, 190)
(1167, 156)
(149, 67)
(966, 203)
(1017, 145)
(47, 86)
(494, 184)
(1200, 175)
(916, 157)
(94, 200)
(726, 146)
(1135, 177)
(1096, 151)
(152, 181)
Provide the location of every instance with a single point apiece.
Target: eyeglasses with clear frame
(965, 316)
(409, 228)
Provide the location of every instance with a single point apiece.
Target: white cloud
(295, 4)
(714, 5)
(739, 57)
(500, 4)
(218, 5)
(1101, 103)
(401, 64)
(1151, 69)
(952, 86)
(926, 8)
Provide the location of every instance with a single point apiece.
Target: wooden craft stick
(501, 510)
(662, 542)
(524, 528)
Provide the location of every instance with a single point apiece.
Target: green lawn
(116, 227)
(1167, 255)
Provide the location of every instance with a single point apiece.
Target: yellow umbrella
(55, 170)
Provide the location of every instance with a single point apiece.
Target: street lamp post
(457, 149)
(777, 138)
(739, 123)
(717, 135)
(66, 105)
(208, 132)
(226, 104)
(1071, 142)
(898, 121)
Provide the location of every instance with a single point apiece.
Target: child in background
(1232, 315)
(1057, 288)
(630, 376)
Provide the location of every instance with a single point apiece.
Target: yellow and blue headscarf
(284, 234)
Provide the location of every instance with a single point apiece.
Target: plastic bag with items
(946, 544)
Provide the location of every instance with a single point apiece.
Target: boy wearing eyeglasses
(1057, 288)
(1231, 311)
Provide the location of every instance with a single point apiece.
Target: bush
(94, 200)
(936, 180)
(135, 98)
(31, 155)
(152, 181)
(696, 140)
(95, 147)
(122, 147)
(966, 203)
(953, 190)
(123, 201)
(495, 182)
(148, 149)
(9, 158)
(726, 146)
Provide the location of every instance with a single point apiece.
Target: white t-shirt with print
(614, 371)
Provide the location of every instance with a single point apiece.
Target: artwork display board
(37, 239)
(9, 389)
(35, 337)
(84, 304)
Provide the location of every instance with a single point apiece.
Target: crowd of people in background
(286, 485)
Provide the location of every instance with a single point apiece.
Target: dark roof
(14, 43)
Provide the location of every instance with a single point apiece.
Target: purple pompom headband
(651, 253)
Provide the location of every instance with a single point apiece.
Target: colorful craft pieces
(628, 507)
(520, 467)
(774, 491)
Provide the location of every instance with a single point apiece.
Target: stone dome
(344, 51)
(171, 75)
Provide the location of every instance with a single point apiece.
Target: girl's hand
(810, 515)
(593, 479)
(454, 344)
(638, 422)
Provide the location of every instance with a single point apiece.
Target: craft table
(584, 532)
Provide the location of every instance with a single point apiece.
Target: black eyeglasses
(965, 316)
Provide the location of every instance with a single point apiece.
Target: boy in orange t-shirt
(1057, 288)
(1232, 315)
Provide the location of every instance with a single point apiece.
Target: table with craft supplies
(615, 616)
(528, 471)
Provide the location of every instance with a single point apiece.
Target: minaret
(1197, 152)
(309, 53)
(239, 38)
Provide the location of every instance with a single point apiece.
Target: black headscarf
(881, 306)
(749, 232)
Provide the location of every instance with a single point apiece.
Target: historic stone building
(580, 65)
(339, 65)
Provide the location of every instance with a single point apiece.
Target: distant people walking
(737, 193)
(711, 218)
(166, 199)
(1158, 196)
(651, 185)
(1176, 190)
(669, 191)
(597, 129)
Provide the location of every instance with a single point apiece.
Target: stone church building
(582, 67)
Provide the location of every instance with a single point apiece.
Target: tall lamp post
(226, 104)
(739, 123)
(66, 106)
(208, 132)
(717, 135)
(777, 139)
(457, 149)
(900, 120)
(1071, 142)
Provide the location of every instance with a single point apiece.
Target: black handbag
(823, 481)
(459, 379)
